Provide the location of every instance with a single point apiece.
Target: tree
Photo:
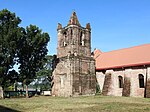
(44, 76)
(9, 36)
(33, 48)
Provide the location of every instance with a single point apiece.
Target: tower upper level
(74, 39)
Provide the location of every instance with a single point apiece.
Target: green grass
(77, 104)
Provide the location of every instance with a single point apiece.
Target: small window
(141, 81)
(120, 78)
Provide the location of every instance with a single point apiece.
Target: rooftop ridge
(132, 56)
(127, 48)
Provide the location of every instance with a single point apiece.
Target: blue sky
(115, 24)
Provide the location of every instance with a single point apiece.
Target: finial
(74, 13)
(59, 26)
(88, 26)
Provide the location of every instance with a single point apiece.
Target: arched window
(141, 81)
(120, 78)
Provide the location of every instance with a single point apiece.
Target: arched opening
(65, 39)
(141, 81)
(120, 78)
(71, 32)
(71, 36)
(81, 38)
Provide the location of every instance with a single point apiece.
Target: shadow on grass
(6, 109)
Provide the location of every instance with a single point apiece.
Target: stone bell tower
(74, 73)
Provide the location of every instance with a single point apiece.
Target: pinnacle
(74, 20)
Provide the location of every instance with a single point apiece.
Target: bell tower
(74, 73)
(74, 39)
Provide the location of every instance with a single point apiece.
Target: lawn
(76, 104)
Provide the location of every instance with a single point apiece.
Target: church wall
(148, 83)
(117, 91)
(134, 77)
(109, 82)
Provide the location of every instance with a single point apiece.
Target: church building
(74, 71)
(124, 72)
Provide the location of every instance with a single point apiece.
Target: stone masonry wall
(117, 91)
(84, 80)
(135, 90)
(75, 72)
(148, 83)
(107, 88)
(62, 79)
(109, 82)
(74, 76)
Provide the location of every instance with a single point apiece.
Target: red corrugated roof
(133, 56)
